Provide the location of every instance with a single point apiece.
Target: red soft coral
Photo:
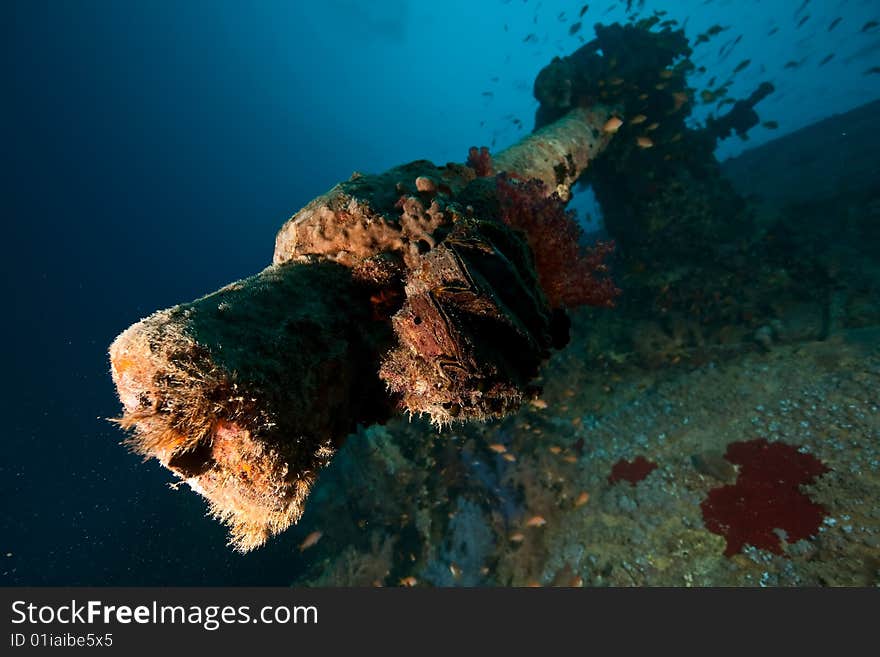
(631, 471)
(480, 161)
(570, 274)
(766, 497)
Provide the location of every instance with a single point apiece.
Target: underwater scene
(419, 294)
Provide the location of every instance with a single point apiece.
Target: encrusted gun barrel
(557, 154)
(246, 393)
(398, 291)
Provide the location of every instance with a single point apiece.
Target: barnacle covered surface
(220, 390)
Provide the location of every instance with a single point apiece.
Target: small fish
(742, 65)
(684, 66)
(409, 581)
(874, 70)
(508, 457)
(716, 29)
(680, 98)
(707, 96)
(612, 125)
(584, 10)
(792, 64)
(561, 17)
(652, 127)
(647, 23)
(582, 499)
(498, 448)
(310, 541)
(455, 570)
(867, 26)
(638, 118)
(666, 73)
(536, 521)
(555, 449)
(574, 28)
(488, 94)
(530, 38)
(773, 31)
(644, 142)
(827, 59)
(517, 537)
(713, 464)
(802, 7)
(802, 21)
(771, 125)
(835, 23)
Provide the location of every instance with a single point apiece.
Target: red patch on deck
(765, 497)
(632, 471)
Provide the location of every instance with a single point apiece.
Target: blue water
(154, 148)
